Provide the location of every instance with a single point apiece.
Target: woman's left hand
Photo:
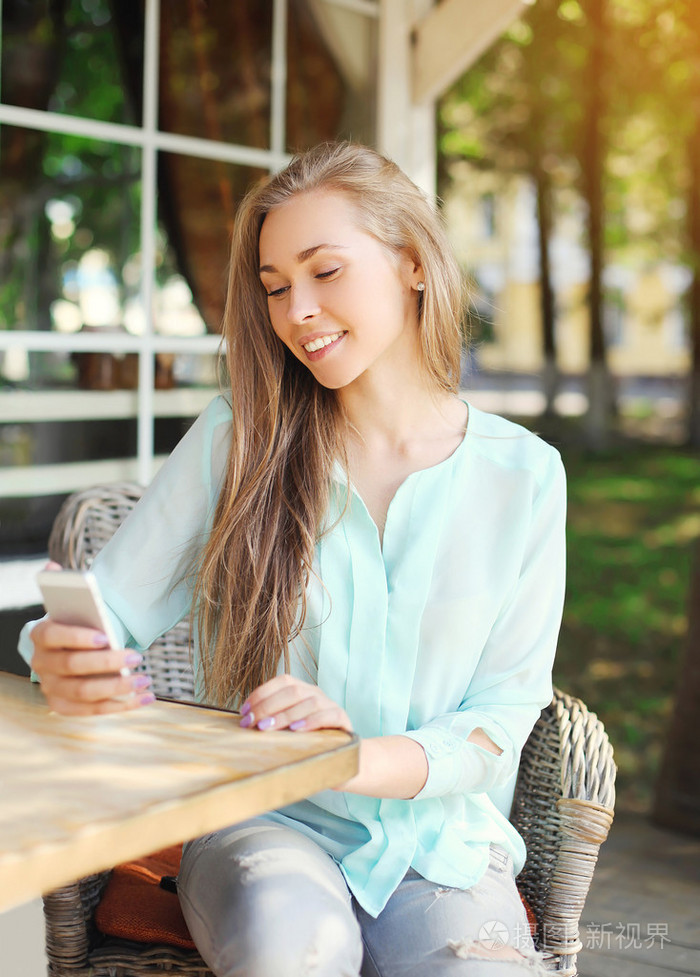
(288, 703)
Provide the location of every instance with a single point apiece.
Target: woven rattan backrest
(83, 525)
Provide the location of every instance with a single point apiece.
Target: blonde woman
(363, 550)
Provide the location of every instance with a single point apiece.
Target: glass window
(72, 58)
(197, 203)
(100, 374)
(331, 74)
(70, 223)
(215, 67)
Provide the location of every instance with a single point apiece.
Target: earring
(421, 286)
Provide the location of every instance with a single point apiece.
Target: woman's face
(340, 301)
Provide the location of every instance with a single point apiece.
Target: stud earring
(421, 286)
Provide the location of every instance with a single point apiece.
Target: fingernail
(298, 724)
(133, 658)
(146, 700)
(140, 682)
(100, 639)
(247, 720)
(245, 709)
(267, 723)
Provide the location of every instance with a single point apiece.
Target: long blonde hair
(252, 579)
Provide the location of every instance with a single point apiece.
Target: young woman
(361, 550)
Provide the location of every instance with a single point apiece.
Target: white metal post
(149, 216)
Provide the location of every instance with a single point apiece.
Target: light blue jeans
(263, 900)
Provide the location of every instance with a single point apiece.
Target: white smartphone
(73, 597)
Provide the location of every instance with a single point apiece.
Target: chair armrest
(87, 520)
(70, 932)
(563, 808)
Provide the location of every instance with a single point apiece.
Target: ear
(412, 270)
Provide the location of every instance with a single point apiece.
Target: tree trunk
(600, 383)
(694, 294)
(677, 801)
(544, 231)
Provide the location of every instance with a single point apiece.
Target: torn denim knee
(494, 949)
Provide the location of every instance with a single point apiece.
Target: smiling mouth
(322, 341)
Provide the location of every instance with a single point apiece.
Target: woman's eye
(276, 292)
(327, 274)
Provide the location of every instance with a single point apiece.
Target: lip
(318, 354)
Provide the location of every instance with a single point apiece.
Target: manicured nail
(298, 724)
(133, 658)
(99, 639)
(267, 723)
(247, 720)
(245, 709)
(140, 682)
(147, 699)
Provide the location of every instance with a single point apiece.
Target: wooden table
(81, 795)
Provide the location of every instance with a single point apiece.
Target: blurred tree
(691, 12)
(677, 799)
(602, 96)
(592, 158)
(659, 119)
(518, 96)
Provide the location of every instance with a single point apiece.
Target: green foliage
(95, 185)
(632, 519)
(522, 108)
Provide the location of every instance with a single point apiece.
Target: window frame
(149, 403)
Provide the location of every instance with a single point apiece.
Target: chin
(333, 380)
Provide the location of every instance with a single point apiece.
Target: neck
(397, 409)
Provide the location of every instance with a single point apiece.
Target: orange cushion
(134, 907)
(530, 915)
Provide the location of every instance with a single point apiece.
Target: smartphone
(73, 597)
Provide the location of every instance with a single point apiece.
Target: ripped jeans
(263, 900)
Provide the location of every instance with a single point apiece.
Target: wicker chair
(563, 805)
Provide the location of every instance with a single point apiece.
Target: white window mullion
(126, 135)
(149, 218)
(104, 342)
(278, 94)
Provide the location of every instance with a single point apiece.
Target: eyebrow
(305, 255)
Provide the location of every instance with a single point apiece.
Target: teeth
(321, 342)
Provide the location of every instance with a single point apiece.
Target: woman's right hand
(81, 676)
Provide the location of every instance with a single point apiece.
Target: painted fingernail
(298, 724)
(133, 658)
(147, 699)
(140, 682)
(267, 723)
(247, 720)
(245, 709)
(99, 639)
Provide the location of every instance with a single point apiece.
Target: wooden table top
(81, 795)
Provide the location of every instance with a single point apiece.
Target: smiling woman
(346, 309)
(362, 550)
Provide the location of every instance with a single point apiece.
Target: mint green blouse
(449, 625)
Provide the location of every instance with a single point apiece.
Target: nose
(303, 303)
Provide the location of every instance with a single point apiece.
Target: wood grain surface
(81, 795)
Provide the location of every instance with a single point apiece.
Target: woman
(362, 550)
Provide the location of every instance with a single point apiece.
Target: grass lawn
(634, 514)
